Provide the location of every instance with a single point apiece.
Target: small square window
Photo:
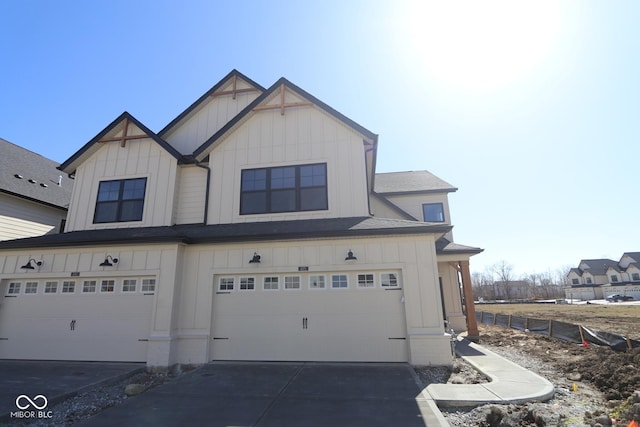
(31, 288)
(107, 285)
(226, 284)
(68, 287)
(433, 212)
(51, 287)
(14, 288)
(389, 280)
(589, 280)
(292, 282)
(339, 281)
(635, 276)
(316, 282)
(614, 278)
(575, 281)
(129, 285)
(365, 280)
(247, 283)
(148, 285)
(89, 286)
(270, 283)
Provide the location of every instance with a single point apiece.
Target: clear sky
(531, 108)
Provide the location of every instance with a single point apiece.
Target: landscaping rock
(134, 389)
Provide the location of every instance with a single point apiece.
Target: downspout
(372, 147)
(206, 195)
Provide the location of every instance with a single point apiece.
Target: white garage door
(309, 317)
(88, 319)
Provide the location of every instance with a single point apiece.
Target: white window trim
(115, 285)
(373, 277)
(284, 283)
(58, 288)
(398, 284)
(30, 293)
(270, 289)
(238, 284)
(155, 285)
(324, 282)
(95, 289)
(340, 288)
(14, 293)
(221, 278)
(135, 291)
(75, 287)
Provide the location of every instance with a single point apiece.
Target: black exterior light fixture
(256, 258)
(29, 266)
(350, 256)
(108, 263)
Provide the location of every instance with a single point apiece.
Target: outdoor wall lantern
(255, 259)
(350, 256)
(108, 263)
(29, 266)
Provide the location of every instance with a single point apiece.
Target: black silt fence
(567, 332)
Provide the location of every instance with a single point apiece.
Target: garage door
(311, 317)
(88, 319)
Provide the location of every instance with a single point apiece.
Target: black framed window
(284, 189)
(433, 212)
(120, 200)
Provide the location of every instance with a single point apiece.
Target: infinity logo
(33, 403)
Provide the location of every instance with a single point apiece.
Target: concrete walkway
(510, 383)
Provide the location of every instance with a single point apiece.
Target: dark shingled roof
(411, 182)
(39, 182)
(598, 266)
(444, 246)
(241, 232)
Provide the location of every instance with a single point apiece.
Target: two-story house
(599, 278)
(34, 195)
(252, 227)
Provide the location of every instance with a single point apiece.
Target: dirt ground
(614, 376)
(618, 318)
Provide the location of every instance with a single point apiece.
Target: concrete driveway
(55, 380)
(279, 394)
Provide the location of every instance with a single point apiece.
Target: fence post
(509, 321)
(526, 323)
(629, 345)
(495, 318)
(550, 328)
(581, 334)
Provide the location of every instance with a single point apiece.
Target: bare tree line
(499, 282)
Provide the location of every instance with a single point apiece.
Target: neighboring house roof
(575, 270)
(411, 182)
(634, 255)
(598, 266)
(233, 74)
(39, 177)
(71, 164)
(240, 232)
(201, 152)
(615, 267)
(445, 246)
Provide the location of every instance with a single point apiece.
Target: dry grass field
(619, 318)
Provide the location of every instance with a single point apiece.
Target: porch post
(472, 323)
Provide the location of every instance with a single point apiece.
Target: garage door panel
(75, 327)
(309, 325)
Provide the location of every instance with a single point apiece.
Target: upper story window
(284, 189)
(575, 281)
(120, 200)
(433, 212)
(614, 278)
(589, 280)
(635, 276)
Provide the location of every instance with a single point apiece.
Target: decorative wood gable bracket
(282, 105)
(234, 90)
(125, 137)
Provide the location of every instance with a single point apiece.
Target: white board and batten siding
(304, 135)
(142, 158)
(191, 195)
(209, 117)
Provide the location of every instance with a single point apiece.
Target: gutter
(206, 195)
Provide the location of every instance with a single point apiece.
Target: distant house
(252, 227)
(34, 195)
(599, 278)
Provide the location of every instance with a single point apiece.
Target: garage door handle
(305, 323)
